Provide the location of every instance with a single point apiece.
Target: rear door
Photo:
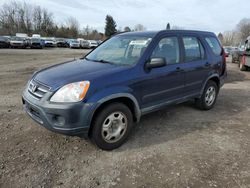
(217, 57)
(196, 64)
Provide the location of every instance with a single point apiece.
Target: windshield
(35, 40)
(123, 50)
(74, 41)
(17, 39)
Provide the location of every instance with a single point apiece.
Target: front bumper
(50, 45)
(17, 44)
(74, 46)
(36, 45)
(66, 118)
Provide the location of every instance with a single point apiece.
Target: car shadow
(235, 76)
(180, 120)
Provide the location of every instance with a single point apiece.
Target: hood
(74, 71)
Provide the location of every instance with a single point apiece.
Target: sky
(210, 15)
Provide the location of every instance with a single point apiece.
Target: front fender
(108, 94)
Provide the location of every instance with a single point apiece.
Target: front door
(163, 84)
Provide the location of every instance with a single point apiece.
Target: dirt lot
(176, 147)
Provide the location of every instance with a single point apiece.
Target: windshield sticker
(138, 42)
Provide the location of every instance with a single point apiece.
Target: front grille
(36, 90)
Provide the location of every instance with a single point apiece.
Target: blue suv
(131, 74)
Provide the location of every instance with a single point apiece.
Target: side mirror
(155, 63)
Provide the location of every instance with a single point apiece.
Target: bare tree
(221, 38)
(243, 28)
(47, 25)
(21, 17)
(229, 38)
(8, 18)
(91, 33)
(73, 25)
(37, 19)
(25, 18)
(139, 27)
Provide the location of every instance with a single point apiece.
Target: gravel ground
(176, 147)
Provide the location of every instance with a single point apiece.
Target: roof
(139, 33)
(153, 33)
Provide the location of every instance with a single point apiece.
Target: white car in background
(49, 42)
(74, 43)
(18, 42)
(93, 44)
(36, 36)
(84, 44)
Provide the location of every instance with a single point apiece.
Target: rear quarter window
(214, 45)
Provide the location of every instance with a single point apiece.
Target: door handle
(178, 69)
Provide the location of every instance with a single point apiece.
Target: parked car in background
(22, 35)
(227, 50)
(84, 44)
(36, 36)
(74, 43)
(245, 60)
(61, 43)
(99, 42)
(129, 75)
(37, 43)
(49, 42)
(237, 54)
(18, 42)
(4, 42)
(93, 44)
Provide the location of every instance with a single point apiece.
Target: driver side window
(167, 48)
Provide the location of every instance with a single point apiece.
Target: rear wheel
(111, 126)
(243, 67)
(209, 96)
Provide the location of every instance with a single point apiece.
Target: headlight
(73, 92)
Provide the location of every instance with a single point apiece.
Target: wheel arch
(124, 98)
(215, 78)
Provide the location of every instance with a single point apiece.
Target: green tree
(168, 26)
(127, 29)
(110, 27)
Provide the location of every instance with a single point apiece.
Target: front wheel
(209, 96)
(111, 126)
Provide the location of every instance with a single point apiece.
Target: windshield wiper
(101, 60)
(104, 61)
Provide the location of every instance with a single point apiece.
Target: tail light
(224, 55)
(224, 60)
(243, 60)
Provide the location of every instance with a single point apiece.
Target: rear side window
(214, 45)
(193, 49)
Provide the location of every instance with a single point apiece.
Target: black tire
(97, 133)
(201, 102)
(242, 67)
